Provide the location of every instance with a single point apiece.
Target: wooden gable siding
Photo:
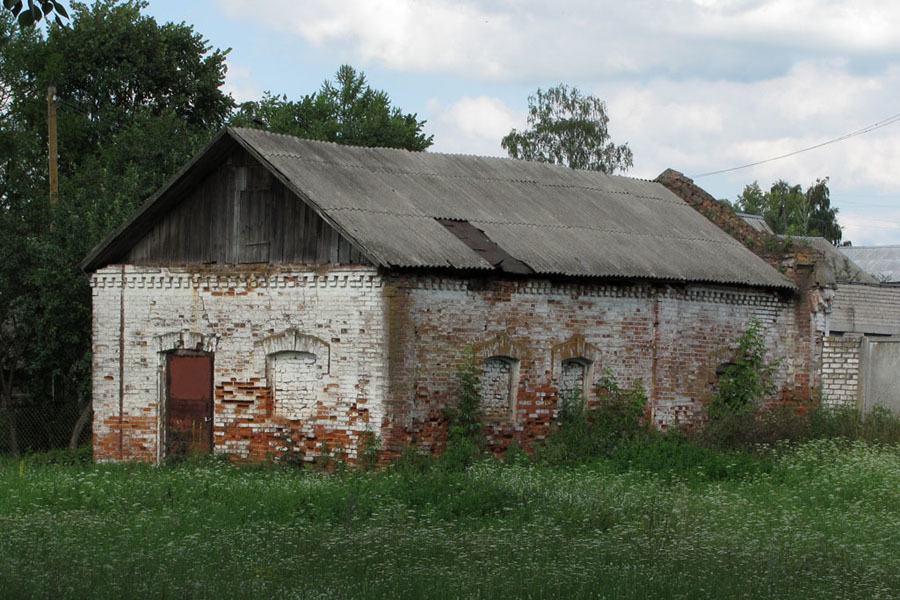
(240, 213)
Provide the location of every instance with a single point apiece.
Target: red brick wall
(670, 338)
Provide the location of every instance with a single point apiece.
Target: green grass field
(819, 521)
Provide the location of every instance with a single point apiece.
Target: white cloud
(472, 125)
(240, 83)
(695, 85)
(420, 35)
(504, 40)
(698, 126)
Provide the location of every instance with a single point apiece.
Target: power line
(867, 129)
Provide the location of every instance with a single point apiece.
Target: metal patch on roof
(489, 250)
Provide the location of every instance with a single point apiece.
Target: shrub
(83, 455)
(879, 426)
(748, 379)
(412, 462)
(621, 410)
(587, 434)
(674, 454)
(465, 418)
(368, 450)
(466, 441)
(757, 432)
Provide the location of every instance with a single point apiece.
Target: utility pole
(51, 135)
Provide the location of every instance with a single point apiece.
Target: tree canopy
(789, 210)
(346, 111)
(29, 12)
(568, 128)
(135, 100)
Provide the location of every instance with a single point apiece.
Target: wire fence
(41, 427)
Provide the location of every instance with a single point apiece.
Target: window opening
(498, 387)
(294, 380)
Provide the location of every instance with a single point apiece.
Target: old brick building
(280, 293)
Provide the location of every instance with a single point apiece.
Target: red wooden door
(189, 404)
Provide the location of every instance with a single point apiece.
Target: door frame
(164, 397)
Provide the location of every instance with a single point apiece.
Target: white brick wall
(294, 378)
(233, 312)
(840, 369)
(361, 326)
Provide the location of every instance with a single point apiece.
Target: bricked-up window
(573, 380)
(294, 378)
(498, 387)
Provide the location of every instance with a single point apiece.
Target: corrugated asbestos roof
(881, 261)
(555, 220)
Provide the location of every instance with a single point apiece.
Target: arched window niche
(499, 378)
(573, 369)
(574, 381)
(295, 365)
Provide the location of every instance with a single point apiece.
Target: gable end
(239, 213)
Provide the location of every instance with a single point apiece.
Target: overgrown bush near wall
(466, 441)
(735, 419)
(738, 422)
(748, 379)
(879, 426)
(584, 433)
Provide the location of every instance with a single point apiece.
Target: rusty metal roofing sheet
(555, 220)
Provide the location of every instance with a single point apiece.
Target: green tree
(568, 128)
(21, 181)
(115, 66)
(29, 12)
(789, 210)
(346, 111)
(136, 99)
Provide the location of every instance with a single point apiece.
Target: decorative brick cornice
(543, 287)
(151, 278)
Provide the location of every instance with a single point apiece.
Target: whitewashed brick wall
(147, 311)
(840, 369)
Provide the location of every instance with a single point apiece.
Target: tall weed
(466, 441)
(585, 433)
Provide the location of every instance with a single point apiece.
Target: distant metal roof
(836, 265)
(391, 204)
(756, 222)
(883, 262)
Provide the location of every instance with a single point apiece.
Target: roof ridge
(727, 242)
(293, 156)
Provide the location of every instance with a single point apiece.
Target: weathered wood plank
(240, 213)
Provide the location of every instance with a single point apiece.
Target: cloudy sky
(694, 85)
